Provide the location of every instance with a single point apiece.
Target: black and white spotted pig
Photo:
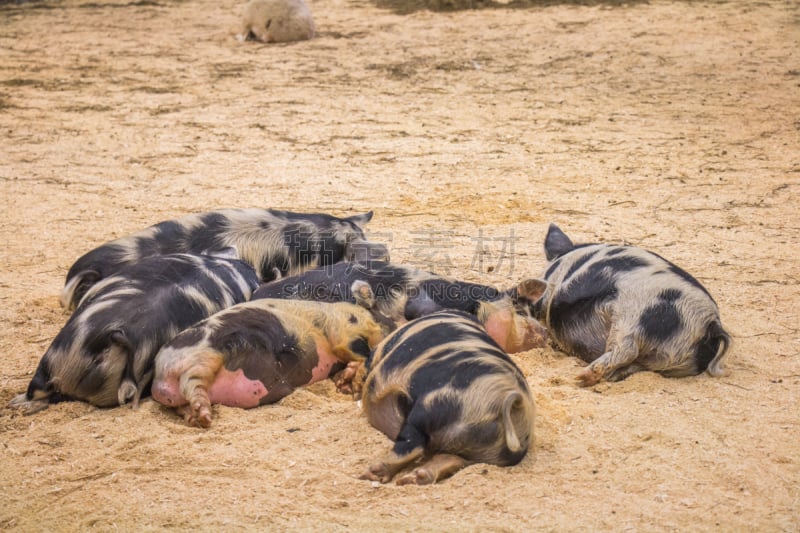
(405, 293)
(275, 243)
(104, 353)
(449, 396)
(624, 309)
(258, 352)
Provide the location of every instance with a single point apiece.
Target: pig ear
(363, 294)
(531, 289)
(556, 243)
(360, 220)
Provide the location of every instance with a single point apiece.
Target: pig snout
(511, 331)
(533, 335)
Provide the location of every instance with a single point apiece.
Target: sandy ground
(672, 125)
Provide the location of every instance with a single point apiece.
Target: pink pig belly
(234, 389)
(325, 362)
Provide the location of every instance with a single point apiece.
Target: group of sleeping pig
(241, 306)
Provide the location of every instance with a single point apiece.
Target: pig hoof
(201, 417)
(346, 381)
(198, 421)
(588, 377)
(420, 476)
(376, 473)
(195, 417)
(199, 414)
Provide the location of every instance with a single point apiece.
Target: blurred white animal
(276, 21)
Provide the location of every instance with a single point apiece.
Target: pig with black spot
(275, 243)
(258, 352)
(448, 395)
(623, 309)
(104, 353)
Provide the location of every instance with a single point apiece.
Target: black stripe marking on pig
(471, 368)
(147, 246)
(437, 333)
(576, 301)
(444, 369)
(229, 278)
(187, 338)
(670, 295)
(169, 231)
(660, 321)
(624, 263)
(360, 346)
(441, 412)
(403, 353)
(579, 263)
(248, 328)
(553, 266)
(410, 437)
(615, 251)
(205, 236)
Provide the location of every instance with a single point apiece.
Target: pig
(623, 309)
(404, 293)
(276, 21)
(275, 243)
(104, 353)
(258, 352)
(448, 395)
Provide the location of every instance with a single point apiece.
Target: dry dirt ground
(673, 125)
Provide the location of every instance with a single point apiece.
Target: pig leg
(194, 384)
(625, 371)
(439, 466)
(385, 469)
(409, 446)
(621, 354)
